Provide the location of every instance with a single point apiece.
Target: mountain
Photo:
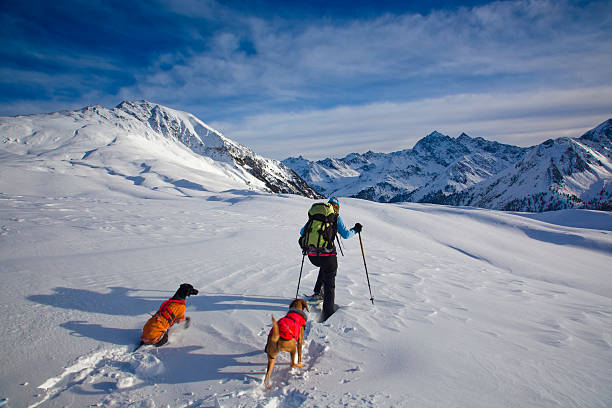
(557, 174)
(145, 144)
(436, 163)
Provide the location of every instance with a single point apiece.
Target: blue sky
(320, 78)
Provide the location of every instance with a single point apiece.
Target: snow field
(472, 307)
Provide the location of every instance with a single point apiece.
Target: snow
(473, 307)
(102, 218)
(145, 143)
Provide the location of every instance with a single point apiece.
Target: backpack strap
(320, 217)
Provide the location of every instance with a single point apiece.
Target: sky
(320, 78)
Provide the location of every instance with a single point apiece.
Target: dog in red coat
(287, 335)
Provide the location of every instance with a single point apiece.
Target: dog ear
(304, 304)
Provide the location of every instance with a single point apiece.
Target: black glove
(187, 322)
(357, 228)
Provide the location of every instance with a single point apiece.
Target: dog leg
(293, 363)
(271, 362)
(139, 346)
(299, 345)
(163, 340)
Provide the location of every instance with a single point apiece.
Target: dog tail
(275, 333)
(139, 346)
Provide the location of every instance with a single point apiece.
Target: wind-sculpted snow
(473, 307)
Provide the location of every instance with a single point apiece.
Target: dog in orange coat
(287, 335)
(172, 311)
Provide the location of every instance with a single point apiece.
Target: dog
(172, 311)
(287, 335)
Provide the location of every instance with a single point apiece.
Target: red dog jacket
(290, 325)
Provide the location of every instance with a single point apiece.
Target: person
(328, 263)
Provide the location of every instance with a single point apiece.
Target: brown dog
(287, 335)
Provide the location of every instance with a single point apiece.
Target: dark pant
(327, 277)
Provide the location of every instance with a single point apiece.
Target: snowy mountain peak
(601, 134)
(178, 151)
(439, 148)
(436, 135)
(433, 139)
(184, 127)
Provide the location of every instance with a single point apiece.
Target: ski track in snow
(455, 322)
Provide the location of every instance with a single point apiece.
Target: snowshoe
(313, 299)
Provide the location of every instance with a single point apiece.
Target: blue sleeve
(302, 230)
(343, 231)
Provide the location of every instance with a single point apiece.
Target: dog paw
(297, 365)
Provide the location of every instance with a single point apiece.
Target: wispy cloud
(507, 45)
(382, 79)
(523, 119)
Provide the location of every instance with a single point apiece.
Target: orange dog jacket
(170, 312)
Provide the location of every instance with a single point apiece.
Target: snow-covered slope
(561, 173)
(146, 144)
(473, 308)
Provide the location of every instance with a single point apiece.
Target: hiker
(317, 240)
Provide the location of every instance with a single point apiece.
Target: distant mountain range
(466, 171)
(145, 144)
(151, 146)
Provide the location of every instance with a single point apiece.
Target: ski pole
(297, 291)
(339, 244)
(366, 267)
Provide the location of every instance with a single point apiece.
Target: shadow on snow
(120, 302)
(121, 337)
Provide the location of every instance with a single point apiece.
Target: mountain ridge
(147, 144)
(466, 171)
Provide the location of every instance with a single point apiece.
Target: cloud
(377, 81)
(503, 46)
(523, 119)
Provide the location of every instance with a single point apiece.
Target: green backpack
(320, 230)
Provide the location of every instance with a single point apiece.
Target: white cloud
(514, 71)
(502, 47)
(523, 119)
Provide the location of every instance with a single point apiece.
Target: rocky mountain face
(557, 174)
(149, 144)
